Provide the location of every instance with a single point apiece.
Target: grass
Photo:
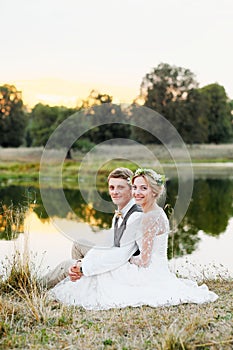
(28, 320)
(28, 174)
(21, 166)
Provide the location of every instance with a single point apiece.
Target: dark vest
(118, 231)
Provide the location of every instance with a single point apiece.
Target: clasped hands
(75, 272)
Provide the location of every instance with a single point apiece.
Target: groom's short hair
(120, 173)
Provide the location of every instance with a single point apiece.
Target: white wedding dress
(145, 280)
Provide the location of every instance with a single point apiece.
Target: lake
(200, 246)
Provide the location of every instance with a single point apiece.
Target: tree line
(200, 115)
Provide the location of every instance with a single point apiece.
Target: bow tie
(118, 213)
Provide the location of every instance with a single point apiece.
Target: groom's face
(120, 192)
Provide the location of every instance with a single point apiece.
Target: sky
(57, 51)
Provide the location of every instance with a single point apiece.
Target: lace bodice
(155, 229)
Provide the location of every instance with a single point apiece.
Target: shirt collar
(128, 206)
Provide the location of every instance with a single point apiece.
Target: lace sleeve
(151, 226)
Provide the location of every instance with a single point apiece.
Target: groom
(122, 238)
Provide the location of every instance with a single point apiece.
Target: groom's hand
(75, 273)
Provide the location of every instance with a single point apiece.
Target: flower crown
(160, 179)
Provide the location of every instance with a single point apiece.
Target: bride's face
(142, 193)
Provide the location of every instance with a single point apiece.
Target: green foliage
(172, 92)
(12, 117)
(166, 84)
(230, 103)
(84, 144)
(193, 122)
(199, 115)
(218, 113)
(189, 117)
(43, 120)
(107, 342)
(79, 124)
(107, 112)
(106, 131)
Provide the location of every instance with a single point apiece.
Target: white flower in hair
(160, 179)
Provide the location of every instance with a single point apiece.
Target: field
(200, 153)
(22, 165)
(28, 320)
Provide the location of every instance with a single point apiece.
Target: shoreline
(201, 153)
(22, 165)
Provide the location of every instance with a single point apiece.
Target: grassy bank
(204, 153)
(28, 320)
(22, 165)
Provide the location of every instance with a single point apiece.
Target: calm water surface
(201, 245)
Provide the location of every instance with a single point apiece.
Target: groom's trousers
(79, 250)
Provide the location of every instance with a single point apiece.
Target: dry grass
(206, 152)
(29, 320)
(22, 165)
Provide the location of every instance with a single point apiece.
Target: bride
(146, 278)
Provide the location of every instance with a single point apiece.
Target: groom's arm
(99, 260)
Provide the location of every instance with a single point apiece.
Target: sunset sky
(57, 51)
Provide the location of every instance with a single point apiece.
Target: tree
(199, 115)
(43, 120)
(218, 113)
(231, 106)
(166, 84)
(81, 126)
(95, 98)
(12, 117)
(172, 92)
(108, 112)
(191, 117)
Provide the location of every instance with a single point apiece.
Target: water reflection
(212, 257)
(210, 211)
(211, 207)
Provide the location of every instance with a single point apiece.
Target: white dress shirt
(102, 259)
